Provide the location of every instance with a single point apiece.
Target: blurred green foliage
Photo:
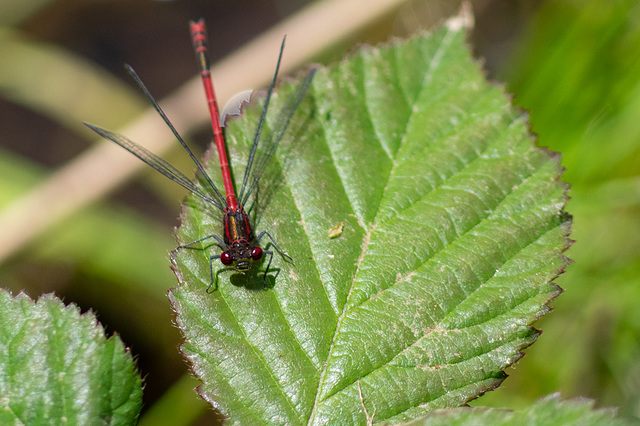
(578, 73)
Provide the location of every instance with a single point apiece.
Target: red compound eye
(225, 258)
(256, 253)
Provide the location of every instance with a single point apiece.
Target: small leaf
(549, 410)
(57, 367)
(453, 233)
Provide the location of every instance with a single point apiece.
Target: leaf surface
(453, 232)
(57, 367)
(548, 410)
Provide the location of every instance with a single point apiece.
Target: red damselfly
(240, 245)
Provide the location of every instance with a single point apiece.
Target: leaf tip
(463, 20)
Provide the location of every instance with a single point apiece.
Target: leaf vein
(257, 353)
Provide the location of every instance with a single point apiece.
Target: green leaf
(57, 367)
(547, 411)
(453, 231)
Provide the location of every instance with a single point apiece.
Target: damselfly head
(241, 255)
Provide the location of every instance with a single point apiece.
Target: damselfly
(240, 245)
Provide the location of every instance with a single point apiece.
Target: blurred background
(83, 220)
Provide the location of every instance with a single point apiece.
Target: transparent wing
(155, 105)
(160, 165)
(257, 164)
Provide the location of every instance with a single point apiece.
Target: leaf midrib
(532, 171)
(429, 73)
